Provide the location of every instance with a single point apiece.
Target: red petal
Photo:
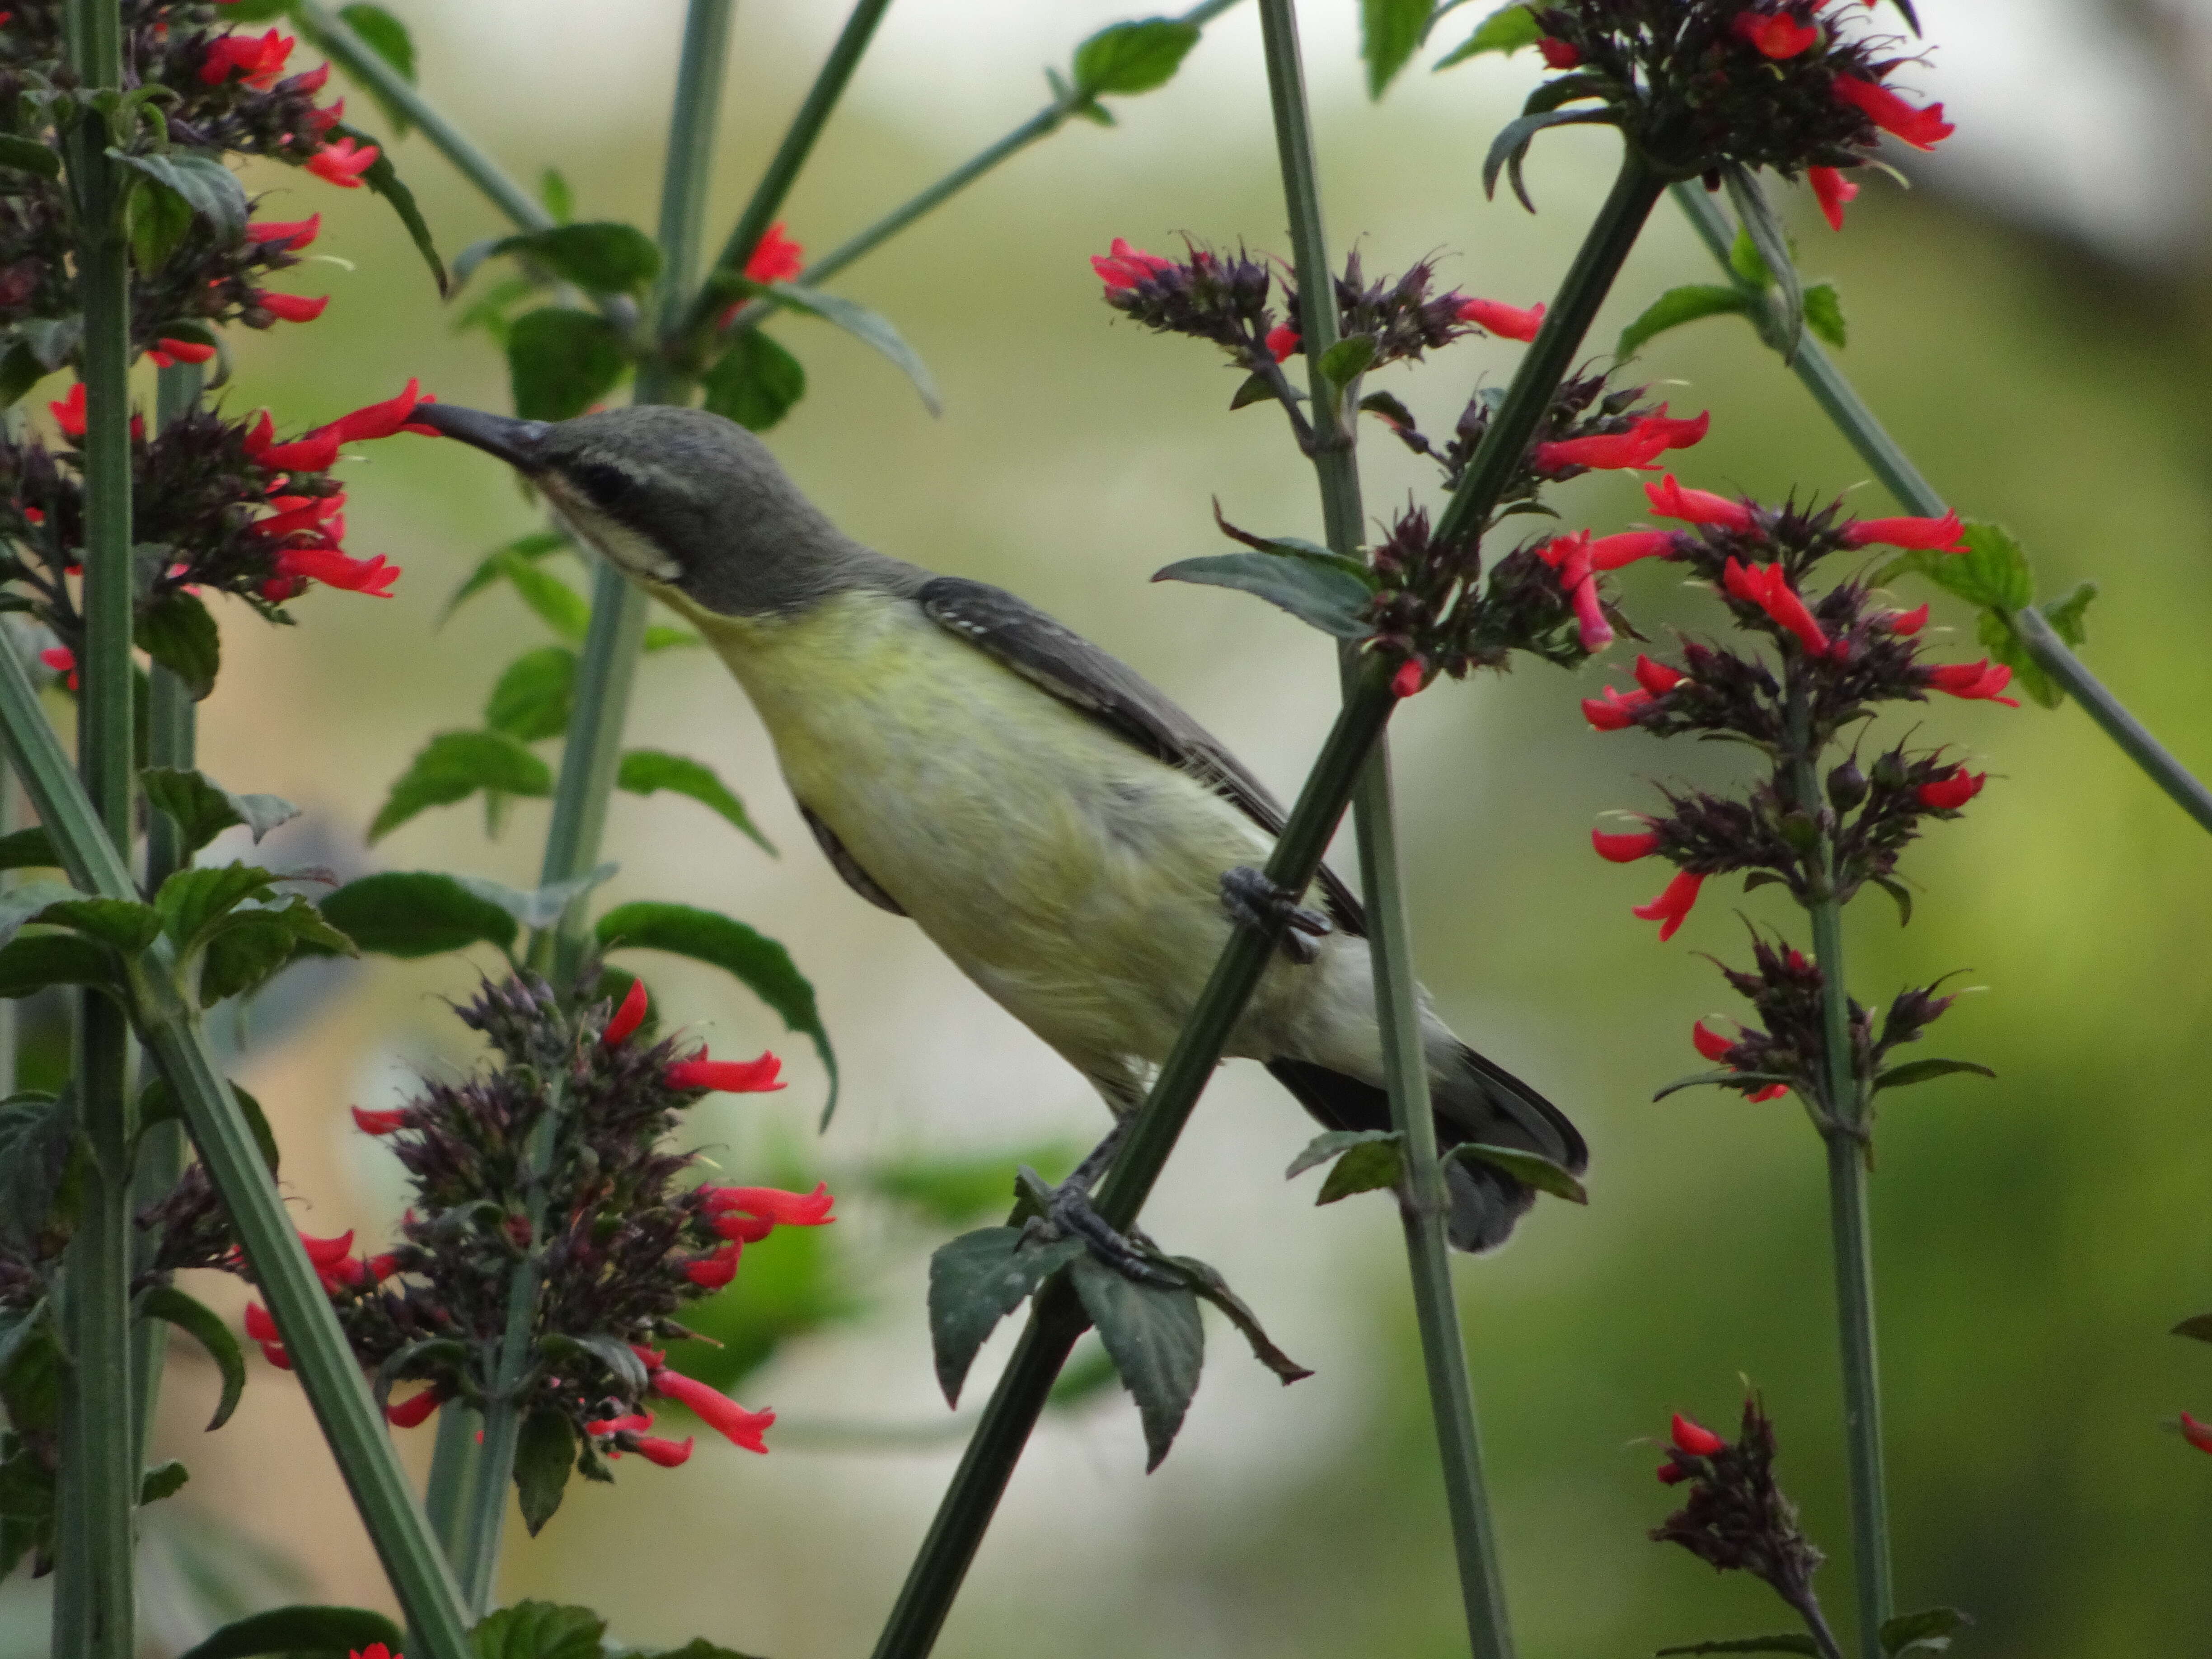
(1710, 1044)
(729, 1077)
(1695, 1439)
(627, 1017)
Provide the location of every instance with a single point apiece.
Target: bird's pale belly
(1071, 876)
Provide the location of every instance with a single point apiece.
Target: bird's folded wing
(1062, 662)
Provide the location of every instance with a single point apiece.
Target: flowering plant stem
(1844, 407)
(1055, 1317)
(1397, 998)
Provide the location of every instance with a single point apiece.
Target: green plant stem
(934, 1580)
(782, 171)
(171, 1030)
(1397, 995)
(1840, 401)
(94, 1595)
(1845, 1132)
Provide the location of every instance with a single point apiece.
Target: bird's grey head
(683, 497)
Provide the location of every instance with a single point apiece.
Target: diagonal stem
(1840, 401)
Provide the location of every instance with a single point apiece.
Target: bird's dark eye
(607, 485)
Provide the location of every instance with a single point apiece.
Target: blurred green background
(2036, 1236)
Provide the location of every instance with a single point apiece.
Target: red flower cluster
(1715, 1047)
(1690, 1440)
(1641, 445)
(711, 1406)
(775, 257)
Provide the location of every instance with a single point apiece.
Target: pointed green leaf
(1926, 1629)
(1363, 1168)
(21, 903)
(755, 382)
(553, 191)
(386, 36)
(1921, 1071)
(1511, 148)
(156, 220)
(558, 605)
(217, 199)
(535, 696)
(1530, 1168)
(205, 1327)
(28, 966)
(416, 914)
(2004, 644)
(203, 809)
(2068, 617)
(1323, 1147)
(255, 941)
(193, 898)
(494, 566)
(544, 1454)
(383, 179)
(1348, 359)
(561, 362)
(756, 962)
(1824, 314)
(645, 770)
(975, 1281)
(29, 155)
(602, 256)
(1390, 32)
(1333, 601)
(28, 849)
(1131, 57)
(1210, 1286)
(1723, 1075)
(1992, 573)
(698, 1647)
(539, 1630)
(1156, 1341)
(453, 766)
(1745, 261)
(1901, 895)
(1676, 307)
(863, 325)
(300, 1629)
(124, 925)
(180, 635)
(537, 907)
(1505, 30)
(162, 1480)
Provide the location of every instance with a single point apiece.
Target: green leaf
(201, 1323)
(697, 1648)
(156, 1104)
(300, 1629)
(561, 362)
(34, 1153)
(1506, 30)
(537, 907)
(558, 605)
(1156, 1341)
(211, 189)
(1824, 314)
(1334, 601)
(28, 849)
(203, 809)
(1992, 573)
(19, 372)
(254, 941)
(2005, 645)
(1363, 1168)
(1511, 148)
(2196, 1325)
(53, 340)
(755, 382)
(1788, 1641)
(1390, 32)
(28, 966)
(124, 925)
(1921, 1071)
(162, 1480)
(602, 256)
(192, 899)
(1210, 1286)
(1725, 1074)
(539, 1630)
(544, 1454)
(1530, 1168)
(1323, 1147)
(180, 635)
(416, 913)
(1901, 895)
(22, 903)
(386, 36)
(560, 200)
(1348, 359)
(1133, 57)
(494, 566)
(1676, 307)
(1745, 261)
(865, 325)
(975, 1281)
(1926, 1630)
(453, 766)
(1756, 215)
(756, 962)
(155, 219)
(383, 179)
(645, 770)
(536, 695)
(2070, 617)
(29, 155)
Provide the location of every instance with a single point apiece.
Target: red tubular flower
(1412, 674)
(1610, 552)
(1695, 1439)
(627, 1017)
(413, 1413)
(1640, 445)
(667, 1453)
(1974, 681)
(1124, 266)
(1923, 129)
(1624, 848)
(259, 60)
(1710, 1044)
(372, 577)
(380, 1123)
(729, 1077)
(1908, 622)
(1780, 36)
(634, 1423)
(1952, 790)
(1507, 322)
(1560, 54)
(1672, 905)
(1771, 1091)
(374, 1650)
(311, 454)
(1656, 677)
(714, 1408)
(1767, 586)
(775, 257)
(1282, 341)
(308, 513)
(2198, 1434)
(259, 1327)
(61, 660)
(312, 81)
(1614, 711)
(1673, 1474)
(373, 420)
(293, 234)
(275, 1354)
(1679, 433)
(259, 436)
(291, 308)
(1935, 535)
(327, 1252)
(172, 352)
(775, 1205)
(1590, 620)
(1832, 192)
(1670, 501)
(711, 1273)
(341, 163)
(69, 413)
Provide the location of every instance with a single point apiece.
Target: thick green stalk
(1840, 402)
(168, 1026)
(782, 171)
(1397, 995)
(93, 1595)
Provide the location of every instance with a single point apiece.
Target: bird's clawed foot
(1069, 1213)
(1254, 902)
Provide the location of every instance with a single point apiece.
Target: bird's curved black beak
(520, 444)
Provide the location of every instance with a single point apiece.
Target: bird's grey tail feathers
(1475, 1101)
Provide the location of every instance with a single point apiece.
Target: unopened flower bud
(1847, 787)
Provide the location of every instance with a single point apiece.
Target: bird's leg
(1069, 1213)
(1254, 902)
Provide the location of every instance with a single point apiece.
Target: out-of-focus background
(2031, 321)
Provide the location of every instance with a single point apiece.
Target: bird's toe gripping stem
(1068, 1212)
(1254, 902)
